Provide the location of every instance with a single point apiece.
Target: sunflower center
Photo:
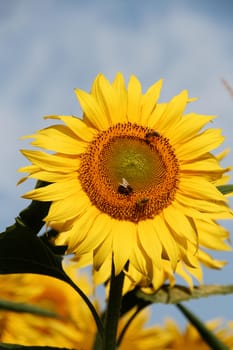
(131, 159)
(129, 172)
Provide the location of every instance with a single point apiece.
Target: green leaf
(178, 293)
(208, 336)
(225, 189)
(4, 346)
(21, 251)
(7, 305)
(174, 295)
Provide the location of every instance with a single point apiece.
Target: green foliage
(174, 295)
(206, 334)
(7, 305)
(23, 347)
(23, 252)
(178, 293)
(225, 189)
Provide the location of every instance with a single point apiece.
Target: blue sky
(49, 47)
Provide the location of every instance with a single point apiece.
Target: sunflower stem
(113, 310)
(205, 333)
(91, 307)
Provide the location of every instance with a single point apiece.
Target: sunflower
(69, 329)
(173, 338)
(75, 328)
(134, 179)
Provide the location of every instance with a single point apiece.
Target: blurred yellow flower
(176, 339)
(76, 328)
(70, 330)
(134, 180)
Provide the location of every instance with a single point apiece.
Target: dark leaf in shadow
(23, 252)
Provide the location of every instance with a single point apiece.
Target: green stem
(91, 307)
(113, 310)
(206, 334)
(98, 342)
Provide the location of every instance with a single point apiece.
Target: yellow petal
(191, 212)
(68, 208)
(156, 115)
(166, 273)
(202, 143)
(81, 227)
(190, 255)
(196, 272)
(52, 176)
(97, 233)
(55, 191)
(134, 100)
(103, 274)
(121, 92)
(77, 126)
(52, 162)
(108, 100)
(204, 206)
(123, 235)
(180, 224)
(183, 271)
(159, 275)
(204, 165)
(139, 260)
(208, 261)
(58, 138)
(149, 100)
(223, 154)
(198, 187)
(102, 252)
(93, 112)
(150, 241)
(213, 235)
(166, 239)
(172, 113)
(188, 126)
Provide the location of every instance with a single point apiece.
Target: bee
(150, 136)
(142, 202)
(125, 188)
